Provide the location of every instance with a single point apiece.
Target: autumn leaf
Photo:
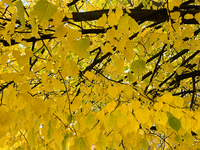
(138, 66)
(81, 47)
(20, 13)
(99, 74)
(174, 123)
(44, 10)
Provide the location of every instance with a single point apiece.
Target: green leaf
(144, 144)
(178, 139)
(20, 13)
(138, 66)
(50, 130)
(79, 144)
(174, 123)
(81, 46)
(64, 141)
(44, 10)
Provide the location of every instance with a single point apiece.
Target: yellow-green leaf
(179, 101)
(178, 139)
(80, 47)
(189, 139)
(90, 121)
(79, 144)
(144, 144)
(44, 10)
(174, 123)
(109, 122)
(50, 130)
(138, 66)
(20, 13)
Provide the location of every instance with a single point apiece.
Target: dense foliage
(99, 74)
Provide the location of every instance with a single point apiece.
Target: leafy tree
(99, 74)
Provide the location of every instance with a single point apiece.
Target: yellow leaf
(124, 21)
(188, 32)
(31, 137)
(39, 107)
(81, 47)
(102, 142)
(134, 27)
(186, 122)
(112, 91)
(60, 31)
(197, 17)
(119, 12)
(142, 114)
(90, 121)
(158, 106)
(129, 54)
(32, 15)
(179, 101)
(102, 20)
(4, 131)
(112, 19)
(174, 3)
(8, 2)
(167, 98)
(76, 103)
(57, 18)
(73, 35)
(110, 106)
(188, 16)
(119, 63)
(72, 69)
(161, 117)
(109, 122)
(133, 123)
(176, 112)
(90, 75)
(197, 2)
(120, 118)
(175, 15)
(135, 104)
(128, 90)
(92, 136)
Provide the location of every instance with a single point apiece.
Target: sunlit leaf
(102, 20)
(44, 10)
(81, 47)
(189, 138)
(138, 66)
(109, 122)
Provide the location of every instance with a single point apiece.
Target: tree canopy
(100, 74)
